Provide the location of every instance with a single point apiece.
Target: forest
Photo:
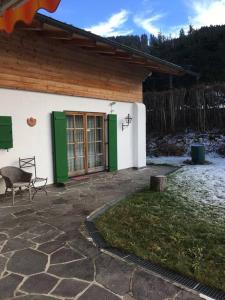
(201, 51)
(195, 103)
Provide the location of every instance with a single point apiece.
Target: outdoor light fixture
(128, 121)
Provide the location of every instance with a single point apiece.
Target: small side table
(42, 183)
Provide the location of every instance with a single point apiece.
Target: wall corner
(139, 140)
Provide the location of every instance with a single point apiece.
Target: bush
(170, 150)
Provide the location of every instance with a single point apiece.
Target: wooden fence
(199, 108)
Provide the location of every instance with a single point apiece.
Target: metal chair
(38, 183)
(16, 178)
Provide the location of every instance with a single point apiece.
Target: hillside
(202, 50)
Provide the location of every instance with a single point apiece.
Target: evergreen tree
(144, 42)
(200, 50)
(190, 30)
(153, 41)
(182, 33)
(161, 38)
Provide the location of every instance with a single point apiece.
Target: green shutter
(59, 147)
(112, 139)
(6, 139)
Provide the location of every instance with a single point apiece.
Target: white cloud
(174, 31)
(148, 23)
(202, 13)
(207, 12)
(114, 26)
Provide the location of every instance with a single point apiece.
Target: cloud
(207, 12)
(147, 23)
(174, 31)
(114, 26)
(202, 13)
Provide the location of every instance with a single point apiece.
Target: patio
(46, 254)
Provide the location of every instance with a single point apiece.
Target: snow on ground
(203, 183)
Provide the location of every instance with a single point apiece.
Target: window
(6, 139)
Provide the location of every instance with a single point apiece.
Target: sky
(122, 17)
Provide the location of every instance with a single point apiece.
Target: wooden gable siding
(31, 62)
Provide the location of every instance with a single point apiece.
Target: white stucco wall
(139, 140)
(30, 141)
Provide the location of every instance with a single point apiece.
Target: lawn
(170, 229)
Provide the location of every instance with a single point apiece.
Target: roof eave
(172, 68)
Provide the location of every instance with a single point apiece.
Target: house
(72, 99)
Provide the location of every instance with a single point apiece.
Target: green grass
(169, 229)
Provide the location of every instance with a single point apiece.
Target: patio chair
(38, 183)
(16, 178)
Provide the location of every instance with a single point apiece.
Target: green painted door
(59, 143)
(112, 139)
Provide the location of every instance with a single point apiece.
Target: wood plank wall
(29, 61)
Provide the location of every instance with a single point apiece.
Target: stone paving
(45, 252)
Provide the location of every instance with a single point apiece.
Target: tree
(153, 40)
(161, 38)
(190, 30)
(201, 51)
(144, 42)
(182, 33)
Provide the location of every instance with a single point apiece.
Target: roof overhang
(52, 29)
(93, 43)
(13, 11)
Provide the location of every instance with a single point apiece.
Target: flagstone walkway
(45, 253)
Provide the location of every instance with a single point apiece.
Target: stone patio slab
(83, 269)
(148, 286)
(39, 284)
(69, 288)
(84, 246)
(27, 236)
(96, 293)
(50, 247)
(69, 234)
(27, 262)
(41, 229)
(64, 255)
(17, 230)
(47, 236)
(16, 244)
(114, 274)
(8, 285)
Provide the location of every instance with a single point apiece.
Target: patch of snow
(212, 140)
(203, 183)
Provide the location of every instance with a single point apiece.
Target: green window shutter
(112, 139)
(6, 139)
(59, 143)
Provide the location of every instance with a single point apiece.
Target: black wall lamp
(128, 121)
